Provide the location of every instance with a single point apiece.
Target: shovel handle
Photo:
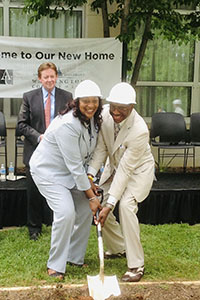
(97, 214)
(100, 191)
(99, 232)
(100, 247)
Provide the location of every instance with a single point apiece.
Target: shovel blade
(101, 290)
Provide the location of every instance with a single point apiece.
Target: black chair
(168, 133)
(195, 129)
(3, 139)
(19, 148)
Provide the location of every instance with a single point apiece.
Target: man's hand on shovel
(102, 216)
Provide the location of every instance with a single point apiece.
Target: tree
(158, 18)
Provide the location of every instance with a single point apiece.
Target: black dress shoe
(34, 236)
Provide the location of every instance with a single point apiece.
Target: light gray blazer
(64, 152)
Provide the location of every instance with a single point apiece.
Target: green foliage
(156, 17)
(171, 253)
(171, 23)
(96, 4)
(50, 8)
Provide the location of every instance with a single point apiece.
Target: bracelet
(90, 199)
(90, 177)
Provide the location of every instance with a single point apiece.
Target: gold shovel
(102, 287)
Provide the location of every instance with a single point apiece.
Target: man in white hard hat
(127, 177)
(177, 106)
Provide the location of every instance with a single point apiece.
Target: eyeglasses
(122, 108)
(88, 101)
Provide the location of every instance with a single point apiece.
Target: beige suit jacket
(128, 159)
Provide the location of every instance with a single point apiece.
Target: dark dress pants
(38, 211)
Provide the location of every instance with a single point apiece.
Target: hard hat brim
(109, 99)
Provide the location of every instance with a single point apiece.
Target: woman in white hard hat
(59, 169)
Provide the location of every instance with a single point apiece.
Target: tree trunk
(124, 22)
(141, 52)
(106, 28)
(124, 29)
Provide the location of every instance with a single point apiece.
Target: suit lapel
(109, 128)
(57, 102)
(123, 132)
(41, 106)
(87, 136)
(89, 140)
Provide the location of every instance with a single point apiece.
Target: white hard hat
(87, 88)
(122, 93)
(177, 101)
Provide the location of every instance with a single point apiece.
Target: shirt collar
(121, 123)
(45, 92)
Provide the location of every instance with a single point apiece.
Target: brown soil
(155, 291)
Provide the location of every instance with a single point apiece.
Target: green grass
(172, 252)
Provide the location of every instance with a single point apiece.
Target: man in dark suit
(32, 124)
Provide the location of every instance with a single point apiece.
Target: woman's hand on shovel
(102, 216)
(95, 205)
(94, 186)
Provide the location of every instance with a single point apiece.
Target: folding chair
(168, 133)
(194, 130)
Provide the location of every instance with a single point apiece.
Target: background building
(169, 71)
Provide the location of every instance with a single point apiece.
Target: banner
(99, 60)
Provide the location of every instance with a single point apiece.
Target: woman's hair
(74, 105)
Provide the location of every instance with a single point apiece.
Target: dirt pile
(161, 291)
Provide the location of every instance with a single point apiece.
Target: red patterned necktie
(48, 110)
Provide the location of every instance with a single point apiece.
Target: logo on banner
(6, 76)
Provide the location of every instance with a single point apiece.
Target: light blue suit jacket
(63, 154)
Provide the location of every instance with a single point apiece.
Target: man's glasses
(123, 108)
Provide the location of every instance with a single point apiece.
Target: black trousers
(38, 211)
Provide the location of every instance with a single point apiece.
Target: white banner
(76, 59)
